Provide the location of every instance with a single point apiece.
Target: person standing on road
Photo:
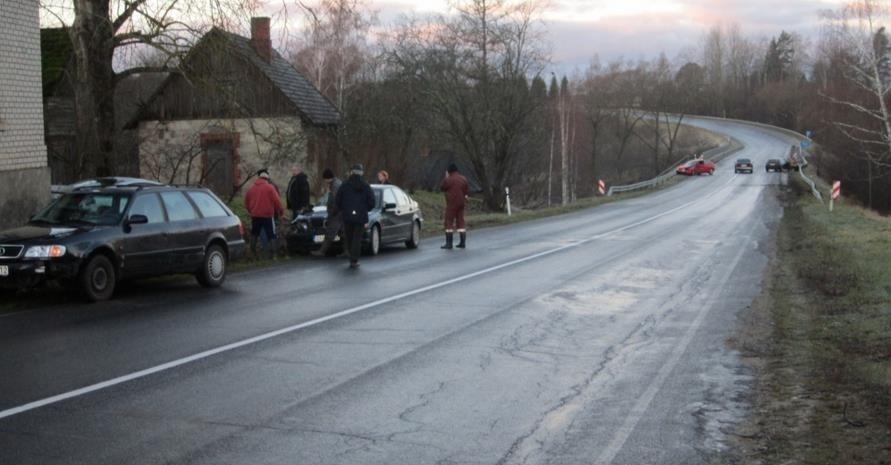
(265, 207)
(334, 222)
(455, 187)
(354, 200)
(298, 190)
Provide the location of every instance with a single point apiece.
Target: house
(130, 95)
(24, 175)
(236, 106)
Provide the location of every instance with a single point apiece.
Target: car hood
(31, 232)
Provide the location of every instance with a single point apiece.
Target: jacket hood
(355, 181)
(25, 233)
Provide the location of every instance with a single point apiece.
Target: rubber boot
(463, 243)
(449, 240)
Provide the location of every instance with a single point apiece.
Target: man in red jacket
(456, 189)
(264, 205)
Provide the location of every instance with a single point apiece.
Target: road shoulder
(819, 340)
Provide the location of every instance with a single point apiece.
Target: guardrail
(810, 182)
(716, 153)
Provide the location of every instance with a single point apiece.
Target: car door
(187, 232)
(389, 225)
(145, 247)
(405, 212)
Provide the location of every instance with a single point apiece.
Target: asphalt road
(594, 337)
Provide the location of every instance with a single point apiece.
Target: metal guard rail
(716, 153)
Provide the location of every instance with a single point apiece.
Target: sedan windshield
(84, 208)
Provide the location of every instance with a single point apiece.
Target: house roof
(133, 92)
(314, 106)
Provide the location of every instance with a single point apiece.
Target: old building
(236, 106)
(24, 175)
(130, 94)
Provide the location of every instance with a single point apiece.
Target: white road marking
(252, 340)
(643, 402)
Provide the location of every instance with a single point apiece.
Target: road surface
(596, 337)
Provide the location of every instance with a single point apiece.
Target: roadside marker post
(507, 199)
(834, 193)
(601, 187)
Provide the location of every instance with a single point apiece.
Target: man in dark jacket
(354, 200)
(455, 187)
(334, 222)
(298, 191)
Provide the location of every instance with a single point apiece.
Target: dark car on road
(694, 167)
(95, 237)
(774, 164)
(743, 165)
(395, 218)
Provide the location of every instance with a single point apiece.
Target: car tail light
(240, 228)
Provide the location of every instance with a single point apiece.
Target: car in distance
(774, 164)
(695, 167)
(95, 237)
(743, 165)
(395, 218)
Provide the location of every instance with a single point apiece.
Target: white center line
(377, 303)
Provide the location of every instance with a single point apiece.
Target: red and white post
(834, 193)
(601, 187)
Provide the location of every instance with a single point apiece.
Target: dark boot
(449, 240)
(463, 243)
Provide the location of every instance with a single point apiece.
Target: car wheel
(374, 245)
(213, 269)
(415, 239)
(97, 278)
(711, 172)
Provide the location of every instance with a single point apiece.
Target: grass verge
(823, 350)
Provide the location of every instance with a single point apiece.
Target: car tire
(98, 278)
(213, 269)
(374, 243)
(415, 239)
(711, 172)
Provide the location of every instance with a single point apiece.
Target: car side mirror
(137, 219)
(389, 206)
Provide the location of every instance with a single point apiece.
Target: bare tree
(100, 30)
(869, 70)
(471, 68)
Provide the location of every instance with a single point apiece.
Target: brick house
(236, 106)
(24, 175)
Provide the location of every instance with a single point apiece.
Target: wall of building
(24, 176)
(171, 151)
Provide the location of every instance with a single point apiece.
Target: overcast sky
(633, 29)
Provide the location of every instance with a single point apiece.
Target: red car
(694, 167)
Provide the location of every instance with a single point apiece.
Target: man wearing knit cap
(456, 189)
(354, 200)
(263, 203)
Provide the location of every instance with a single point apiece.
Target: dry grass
(824, 354)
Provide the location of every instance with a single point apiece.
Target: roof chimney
(260, 39)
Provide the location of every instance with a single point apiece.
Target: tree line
(476, 82)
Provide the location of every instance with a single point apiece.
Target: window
(389, 197)
(402, 198)
(178, 207)
(150, 206)
(207, 205)
(93, 208)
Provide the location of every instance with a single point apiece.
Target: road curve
(592, 337)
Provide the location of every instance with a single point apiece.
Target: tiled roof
(314, 106)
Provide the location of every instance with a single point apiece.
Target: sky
(633, 29)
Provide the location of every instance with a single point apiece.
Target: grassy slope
(824, 396)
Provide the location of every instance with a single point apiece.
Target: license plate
(319, 238)
(4, 270)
